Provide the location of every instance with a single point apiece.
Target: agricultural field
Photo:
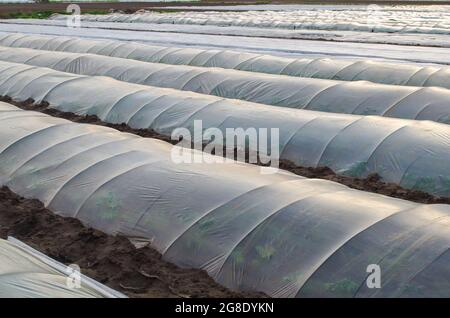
(225, 151)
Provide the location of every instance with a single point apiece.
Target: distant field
(28, 9)
(13, 6)
(43, 10)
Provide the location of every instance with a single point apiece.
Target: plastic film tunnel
(26, 273)
(290, 20)
(362, 98)
(413, 154)
(280, 233)
(323, 68)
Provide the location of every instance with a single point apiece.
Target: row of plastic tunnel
(27, 273)
(279, 233)
(426, 22)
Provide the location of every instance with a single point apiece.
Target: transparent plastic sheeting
(323, 68)
(362, 98)
(26, 273)
(413, 154)
(279, 233)
(368, 19)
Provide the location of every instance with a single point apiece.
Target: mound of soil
(372, 183)
(112, 260)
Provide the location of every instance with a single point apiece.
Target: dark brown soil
(112, 260)
(372, 183)
(126, 7)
